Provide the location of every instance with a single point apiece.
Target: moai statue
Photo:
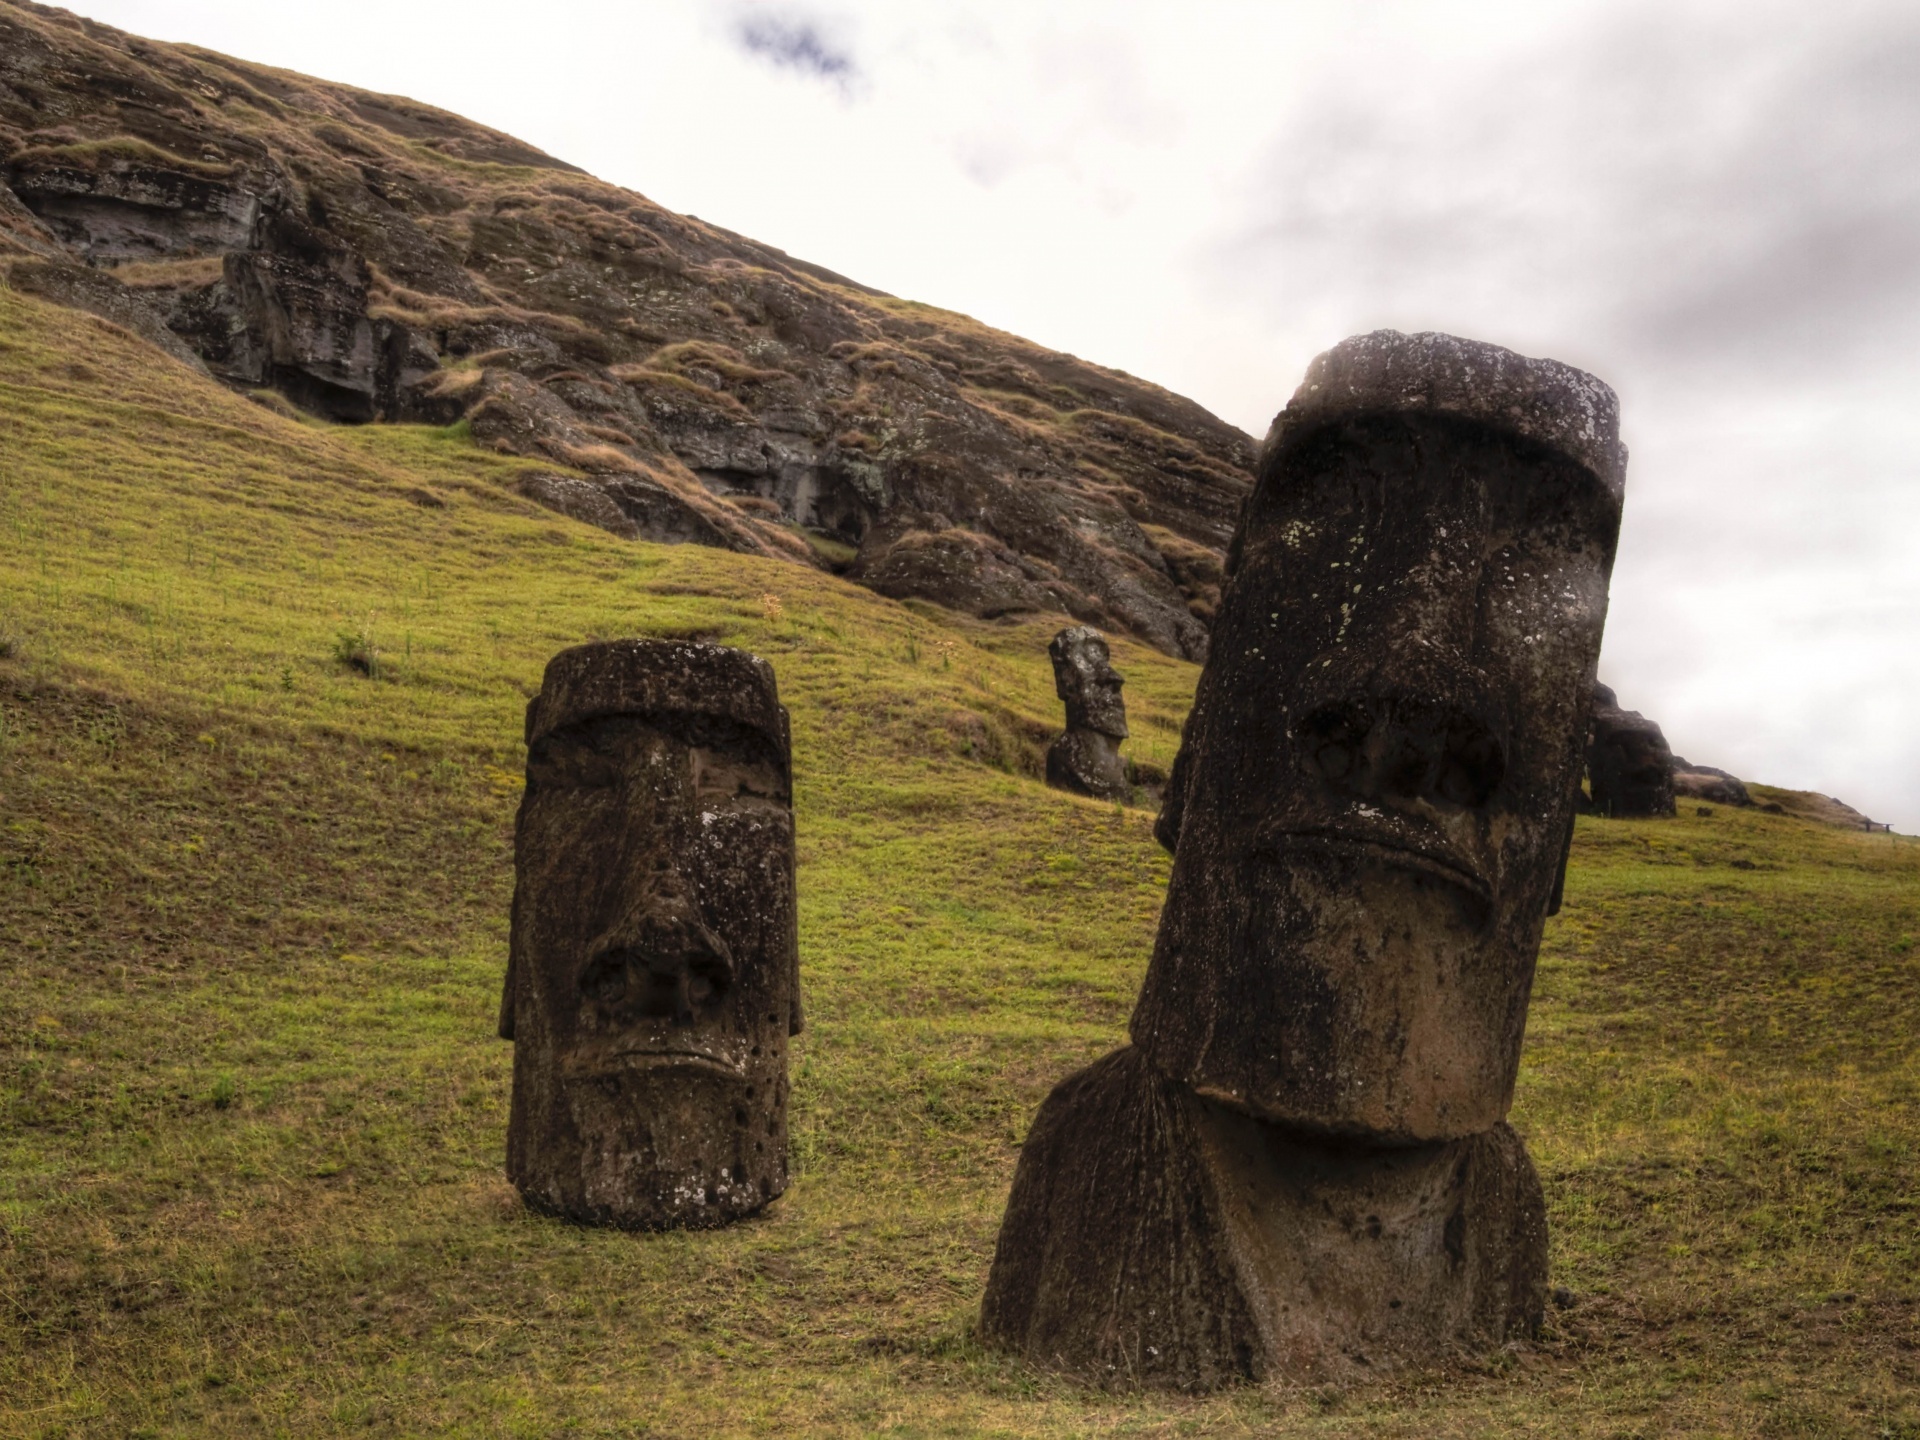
(652, 980)
(1629, 764)
(1086, 760)
(1301, 1165)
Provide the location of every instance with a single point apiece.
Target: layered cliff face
(374, 259)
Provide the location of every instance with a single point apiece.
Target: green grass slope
(253, 921)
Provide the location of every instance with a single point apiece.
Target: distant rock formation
(1704, 782)
(1823, 809)
(1086, 759)
(372, 258)
(1629, 764)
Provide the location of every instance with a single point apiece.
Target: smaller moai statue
(1086, 759)
(652, 975)
(1629, 764)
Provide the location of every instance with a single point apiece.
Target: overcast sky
(1715, 207)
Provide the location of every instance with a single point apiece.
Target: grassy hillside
(253, 921)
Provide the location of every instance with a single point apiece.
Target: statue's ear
(1173, 803)
(1560, 880)
(508, 1001)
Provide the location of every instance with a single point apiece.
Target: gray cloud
(792, 40)
(1734, 189)
(1793, 235)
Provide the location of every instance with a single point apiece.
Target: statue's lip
(1391, 851)
(644, 1056)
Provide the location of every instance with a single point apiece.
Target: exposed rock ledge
(375, 259)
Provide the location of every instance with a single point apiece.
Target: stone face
(1378, 777)
(1086, 759)
(652, 982)
(1629, 765)
(1084, 678)
(1301, 1165)
(82, 288)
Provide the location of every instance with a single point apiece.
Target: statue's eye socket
(574, 764)
(1330, 742)
(1407, 750)
(606, 978)
(1475, 765)
(1334, 760)
(1457, 785)
(1336, 725)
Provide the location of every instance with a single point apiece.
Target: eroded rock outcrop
(1705, 782)
(1086, 759)
(342, 249)
(652, 977)
(1301, 1166)
(1629, 764)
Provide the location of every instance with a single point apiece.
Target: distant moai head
(1376, 786)
(652, 982)
(1084, 678)
(1629, 763)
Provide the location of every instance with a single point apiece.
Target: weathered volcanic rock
(81, 288)
(1086, 759)
(580, 499)
(346, 250)
(1629, 765)
(1302, 1163)
(1157, 1238)
(1704, 782)
(652, 978)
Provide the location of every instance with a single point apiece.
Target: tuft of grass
(254, 912)
(354, 648)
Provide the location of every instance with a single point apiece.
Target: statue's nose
(660, 961)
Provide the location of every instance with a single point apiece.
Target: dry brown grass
(644, 376)
(170, 274)
(118, 151)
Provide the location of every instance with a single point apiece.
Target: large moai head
(652, 983)
(1085, 680)
(1375, 790)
